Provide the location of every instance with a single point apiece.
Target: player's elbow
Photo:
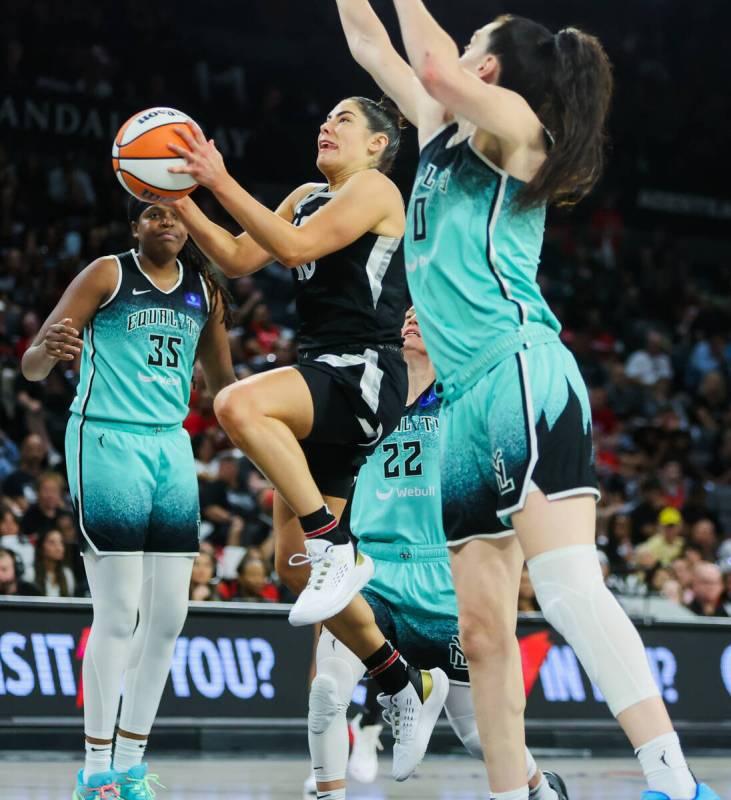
(291, 259)
(436, 77)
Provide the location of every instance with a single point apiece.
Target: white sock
(543, 791)
(98, 759)
(515, 794)
(331, 794)
(665, 769)
(128, 752)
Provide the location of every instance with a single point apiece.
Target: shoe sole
(429, 718)
(556, 782)
(365, 571)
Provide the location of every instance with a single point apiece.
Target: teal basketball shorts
(133, 488)
(413, 600)
(524, 425)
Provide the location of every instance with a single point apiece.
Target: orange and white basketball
(140, 155)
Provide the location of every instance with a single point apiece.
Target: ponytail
(567, 81)
(576, 109)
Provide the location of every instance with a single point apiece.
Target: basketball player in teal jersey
(514, 123)
(145, 316)
(396, 516)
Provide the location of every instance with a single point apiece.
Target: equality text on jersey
(162, 317)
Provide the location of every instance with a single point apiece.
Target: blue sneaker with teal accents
(101, 786)
(136, 783)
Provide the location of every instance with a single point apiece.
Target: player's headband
(135, 208)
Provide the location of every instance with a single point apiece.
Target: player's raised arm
(362, 201)
(435, 58)
(235, 255)
(371, 47)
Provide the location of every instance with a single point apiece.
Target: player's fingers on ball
(187, 136)
(197, 132)
(180, 151)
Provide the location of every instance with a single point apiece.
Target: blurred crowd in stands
(646, 309)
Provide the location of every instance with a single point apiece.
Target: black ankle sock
(371, 709)
(388, 669)
(321, 524)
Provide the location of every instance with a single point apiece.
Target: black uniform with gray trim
(351, 305)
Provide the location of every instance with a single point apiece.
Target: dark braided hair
(194, 258)
(383, 116)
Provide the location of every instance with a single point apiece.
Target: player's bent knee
(325, 704)
(119, 626)
(233, 407)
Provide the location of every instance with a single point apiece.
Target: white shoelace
(320, 563)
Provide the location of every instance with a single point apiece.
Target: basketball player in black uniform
(310, 427)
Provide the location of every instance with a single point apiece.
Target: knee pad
(324, 705)
(570, 590)
(330, 693)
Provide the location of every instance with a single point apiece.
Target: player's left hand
(202, 160)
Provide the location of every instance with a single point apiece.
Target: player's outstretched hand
(62, 341)
(202, 160)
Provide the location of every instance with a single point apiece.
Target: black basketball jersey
(356, 296)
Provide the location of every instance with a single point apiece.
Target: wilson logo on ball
(140, 155)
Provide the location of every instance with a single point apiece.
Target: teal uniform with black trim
(130, 463)
(396, 516)
(516, 412)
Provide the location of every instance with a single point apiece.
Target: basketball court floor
(439, 778)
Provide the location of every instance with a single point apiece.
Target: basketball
(140, 155)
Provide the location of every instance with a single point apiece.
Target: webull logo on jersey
(162, 318)
(407, 491)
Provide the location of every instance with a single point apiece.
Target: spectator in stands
(51, 576)
(226, 503)
(667, 544)
(74, 560)
(644, 515)
(12, 538)
(651, 364)
(254, 581)
(726, 596)
(20, 484)
(683, 572)
(204, 452)
(9, 455)
(203, 581)
(708, 591)
(11, 571)
(263, 330)
(619, 548)
(675, 486)
(704, 536)
(43, 515)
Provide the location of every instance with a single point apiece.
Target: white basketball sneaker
(309, 791)
(413, 719)
(337, 574)
(363, 761)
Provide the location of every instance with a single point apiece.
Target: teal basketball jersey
(397, 497)
(471, 254)
(139, 349)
